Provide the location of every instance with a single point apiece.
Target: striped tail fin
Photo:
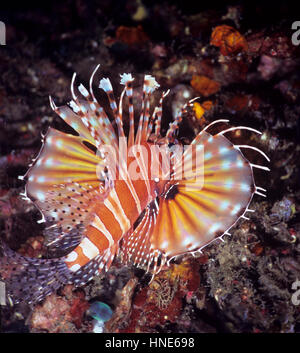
(30, 279)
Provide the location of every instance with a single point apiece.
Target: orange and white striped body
(113, 219)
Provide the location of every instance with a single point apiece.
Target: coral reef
(58, 314)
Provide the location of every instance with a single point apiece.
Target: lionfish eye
(171, 192)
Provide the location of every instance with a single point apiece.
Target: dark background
(47, 41)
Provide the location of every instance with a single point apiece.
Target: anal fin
(136, 246)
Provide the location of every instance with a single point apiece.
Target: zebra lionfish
(92, 213)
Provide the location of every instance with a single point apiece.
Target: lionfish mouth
(144, 196)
